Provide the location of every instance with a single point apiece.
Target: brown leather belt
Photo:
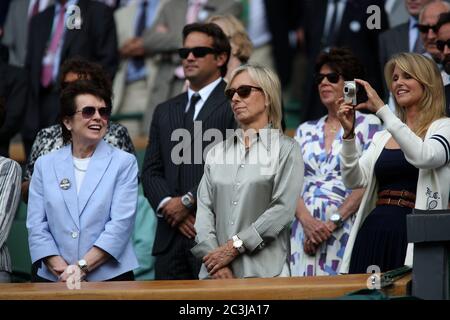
(396, 202)
(394, 193)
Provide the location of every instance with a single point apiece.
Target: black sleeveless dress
(381, 239)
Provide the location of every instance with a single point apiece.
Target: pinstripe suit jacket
(165, 44)
(161, 177)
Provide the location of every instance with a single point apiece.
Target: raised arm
(433, 152)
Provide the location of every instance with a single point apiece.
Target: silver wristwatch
(187, 200)
(336, 219)
(238, 244)
(83, 265)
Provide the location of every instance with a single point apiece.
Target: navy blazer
(60, 222)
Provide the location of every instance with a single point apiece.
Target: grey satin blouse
(252, 193)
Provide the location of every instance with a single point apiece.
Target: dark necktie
(140, 27)
(189, 116)
(33, 12)
(332, 30)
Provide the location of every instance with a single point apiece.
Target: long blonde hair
(431, 105)
(270, 84)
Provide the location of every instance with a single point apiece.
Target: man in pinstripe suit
(171, 188)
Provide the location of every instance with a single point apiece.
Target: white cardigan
(431, 156)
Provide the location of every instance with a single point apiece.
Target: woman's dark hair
(2, 110)
(86, 70)
(68, 105)
(342, 61)
(220, 40)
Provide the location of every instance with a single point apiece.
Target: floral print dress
(324, 192)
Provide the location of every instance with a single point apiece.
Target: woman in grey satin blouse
(248, 193)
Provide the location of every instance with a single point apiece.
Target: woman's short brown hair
(342, 61)
(68, 105)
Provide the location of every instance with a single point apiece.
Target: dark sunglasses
(332, 77)
(243, 91)
(88, 112)
(440, 44)
(424, 28)
(198, 52)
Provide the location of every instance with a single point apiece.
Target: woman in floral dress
(325, 208)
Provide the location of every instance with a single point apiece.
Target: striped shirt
(10, 176)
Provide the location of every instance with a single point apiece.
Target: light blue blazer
(61, 223)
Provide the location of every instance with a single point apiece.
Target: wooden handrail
(233, 289)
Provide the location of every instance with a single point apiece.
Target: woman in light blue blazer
(83, 197)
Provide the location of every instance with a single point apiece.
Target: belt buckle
(399, 204)
(402, 194)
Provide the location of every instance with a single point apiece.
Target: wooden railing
(234, 289)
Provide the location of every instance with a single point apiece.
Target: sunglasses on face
(440, 44)
(88, 112)
(424, 28)
(198, 52)
(332, 77)
(243, 91)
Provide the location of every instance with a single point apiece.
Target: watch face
(237, 243)
(335, 217)
(82, 263)
(186, 201)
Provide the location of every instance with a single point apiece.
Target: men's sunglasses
(243, 91)
(198, 52)
(332, 77)
(88, 112)
(440, 44)
(424, 28)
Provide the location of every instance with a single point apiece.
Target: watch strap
(189, 203)
(339, 222)
(241, 248)
(83, 265)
